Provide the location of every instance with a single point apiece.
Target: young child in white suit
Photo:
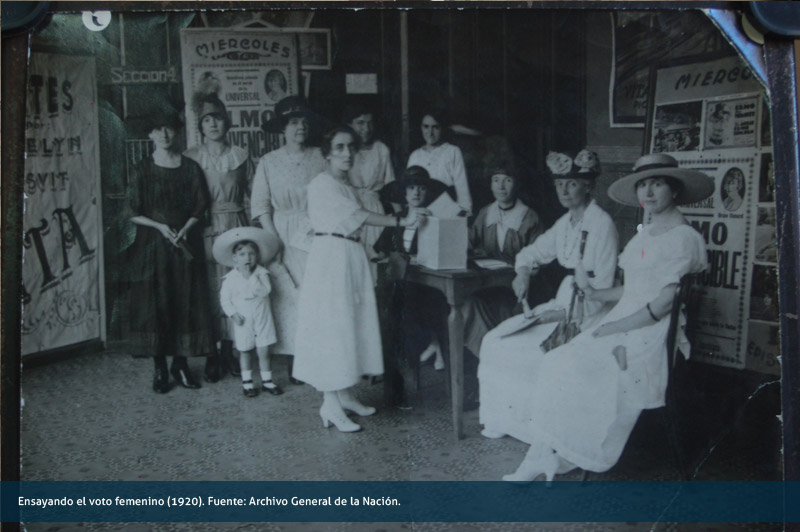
(244, 297)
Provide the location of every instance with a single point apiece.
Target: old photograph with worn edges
(427, 244)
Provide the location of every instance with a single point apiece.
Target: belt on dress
(339, 235)
(571, 271)
(226, 207)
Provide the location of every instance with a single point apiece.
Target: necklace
(506, 208)
(571, 240)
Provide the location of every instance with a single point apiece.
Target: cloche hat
(697, 186)
(289, 107)
(268, 244)
(413, 175)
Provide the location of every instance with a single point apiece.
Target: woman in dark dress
(408, 311)
(170, 307)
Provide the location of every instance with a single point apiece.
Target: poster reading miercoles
(62, 255)
(249, 70)
(719, 327)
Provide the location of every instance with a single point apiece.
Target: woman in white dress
(280, 205)
(372, 169)
(588, 393)
(443, 161)
(506, 364)
(338, 336)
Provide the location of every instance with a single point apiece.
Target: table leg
(455, 329)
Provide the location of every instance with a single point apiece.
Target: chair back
(678, 302)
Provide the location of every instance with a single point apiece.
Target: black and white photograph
(766, 240)
(764, 294)
(732, 189)
(452, 257)
(766, 182)
(677, 127)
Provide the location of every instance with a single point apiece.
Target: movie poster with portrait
(708, 115)
(250, 70)
(62, 277)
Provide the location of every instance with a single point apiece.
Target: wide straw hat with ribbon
(268, 244)
(696, 186)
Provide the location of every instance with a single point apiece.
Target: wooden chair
(668, 413)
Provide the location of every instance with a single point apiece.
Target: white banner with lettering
(62, 255)
(249, 69)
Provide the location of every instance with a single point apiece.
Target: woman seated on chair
(499, 232)
(420, 309)
(506, 363)
(588, 393)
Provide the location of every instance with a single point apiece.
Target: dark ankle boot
(291, 367)
(229, 360)
(180, 370)
(213, 371)
(161, 382)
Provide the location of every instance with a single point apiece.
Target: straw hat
(268, 244)
(696, 185)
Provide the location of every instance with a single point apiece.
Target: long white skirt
(338, 335)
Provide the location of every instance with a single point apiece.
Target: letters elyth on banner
(249, 69)
(62, 256)
(709, 116)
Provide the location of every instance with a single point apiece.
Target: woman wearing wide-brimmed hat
(587, 394)
(506, 363)
(228, 171)
(280, 204)
(170, 312)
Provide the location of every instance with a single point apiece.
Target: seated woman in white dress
(338, 336)
(506, 364)
(588, 393)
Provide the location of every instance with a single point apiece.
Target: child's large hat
(268, 244)
(697, 186)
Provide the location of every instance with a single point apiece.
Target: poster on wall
(640, 39)
(249, 70)
(709, 114)
(726, 219)
(62, 278)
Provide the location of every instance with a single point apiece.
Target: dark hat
(289, 107)
(153, 115)
(697, 186)
(585, 165)
(395, 191)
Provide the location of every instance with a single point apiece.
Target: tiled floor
(94, 417)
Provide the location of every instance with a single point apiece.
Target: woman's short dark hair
(240, 244)
(437, 113)
(675, 185)
(353, 110)
(327, 138)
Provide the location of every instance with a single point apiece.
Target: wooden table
(457, 286)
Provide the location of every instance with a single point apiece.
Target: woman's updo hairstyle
(327, 138)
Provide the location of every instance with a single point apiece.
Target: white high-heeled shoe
(352, 404)
(530, 470)
(339, 418)
(493, 434)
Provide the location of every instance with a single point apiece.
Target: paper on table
(444, 207)
(491, 264)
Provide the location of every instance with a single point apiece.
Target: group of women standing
(575, 404)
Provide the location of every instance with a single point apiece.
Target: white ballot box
(442, 244)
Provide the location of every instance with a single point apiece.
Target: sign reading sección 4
(123, 76)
